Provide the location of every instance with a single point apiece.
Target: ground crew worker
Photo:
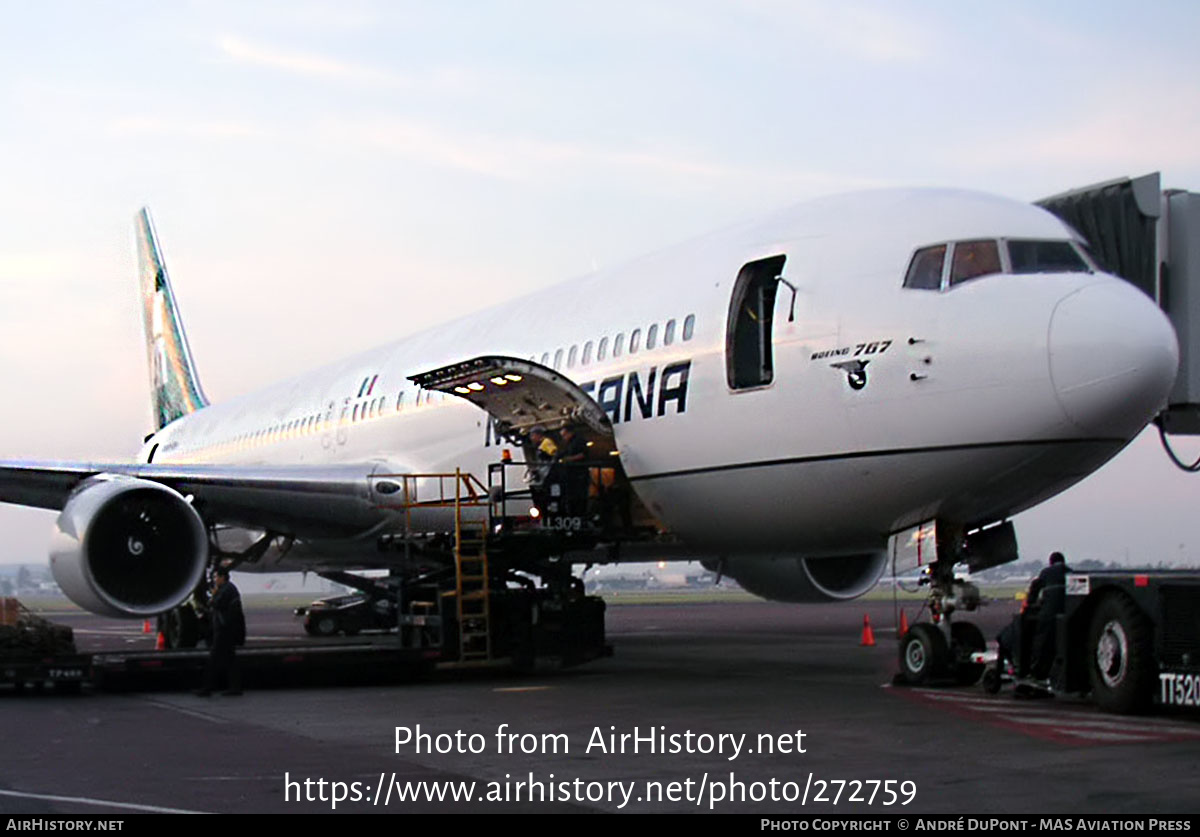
(574, 455)
(546, 449)
(547, 490)
(1049, 590)
(228, 631)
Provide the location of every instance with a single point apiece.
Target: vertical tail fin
(174, 385)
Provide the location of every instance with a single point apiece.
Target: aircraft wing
(43, 485)
(302, 500)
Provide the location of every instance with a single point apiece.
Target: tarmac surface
(763, 670)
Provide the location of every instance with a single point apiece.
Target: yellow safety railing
(472, 583)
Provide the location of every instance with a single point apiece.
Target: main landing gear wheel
(923, 654)
(965, 640)
(181, 627)
(1121, 656)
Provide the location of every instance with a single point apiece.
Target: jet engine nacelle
(787, 578)
(128, 547)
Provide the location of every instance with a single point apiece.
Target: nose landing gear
(947, 649)
(942, 651)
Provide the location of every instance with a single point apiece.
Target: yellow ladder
(470, 546)
(471, 585)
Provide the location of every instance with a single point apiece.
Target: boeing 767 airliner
(776, 399)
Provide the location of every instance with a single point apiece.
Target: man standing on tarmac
(228, 632)
(1051, 586)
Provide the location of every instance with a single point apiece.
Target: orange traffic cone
(868, 636)
(146, 627)
(903, 624)
(160, 644)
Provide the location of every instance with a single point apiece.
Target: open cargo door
(521, 395)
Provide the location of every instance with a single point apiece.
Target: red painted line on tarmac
(1073, 727)
(966, 712)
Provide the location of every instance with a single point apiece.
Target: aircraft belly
(848, 502)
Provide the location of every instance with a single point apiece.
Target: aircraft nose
(1113, 358)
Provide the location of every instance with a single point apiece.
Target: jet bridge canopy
(520, 395)
(1119, 219)
(1151, 238)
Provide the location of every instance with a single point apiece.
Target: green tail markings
(174, 385)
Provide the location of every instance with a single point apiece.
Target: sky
(326, 177)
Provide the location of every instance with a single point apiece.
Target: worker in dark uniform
(574, 455)
(228, 632)
(1049, 592)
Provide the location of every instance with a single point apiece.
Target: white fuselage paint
(991, 396)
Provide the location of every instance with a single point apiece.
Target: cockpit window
(1045, 257)
(925, 271)
(973, 259)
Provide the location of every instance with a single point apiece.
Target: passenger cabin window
(1045, 257)
(669, 333)
(973, 259)
(651, 336)
(571, 356)
(689, 326)
(635, 340)
(925, 270)
(587, 353)
(602, 350)
(749, 361)
(619, 345)
(558, 359)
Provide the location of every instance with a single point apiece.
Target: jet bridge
(1150, 236)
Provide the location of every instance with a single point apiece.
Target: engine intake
(787, 578)
(128, 547)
